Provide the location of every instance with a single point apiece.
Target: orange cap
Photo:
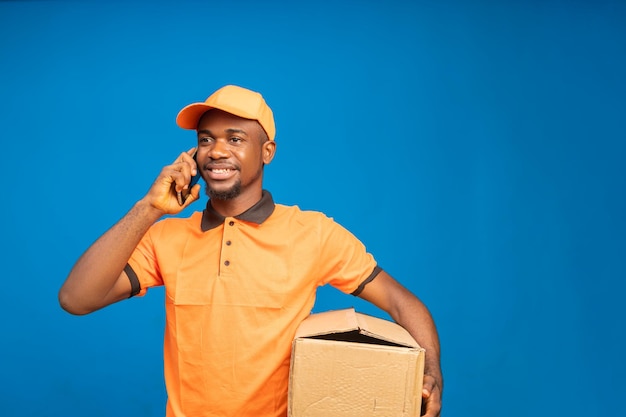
(234, 100)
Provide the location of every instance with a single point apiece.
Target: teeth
(220, 171)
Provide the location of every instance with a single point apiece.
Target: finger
(189, 158)
(194, 167)
(433, 408)
(194, 194)
(186, 193)
(183, 155)
(182, 169)
(431, 394)
(428, 385)
(180, 173)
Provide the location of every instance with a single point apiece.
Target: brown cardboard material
(348, 364)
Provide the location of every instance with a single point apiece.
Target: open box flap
(348, 320)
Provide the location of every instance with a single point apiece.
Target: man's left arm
(408, 311)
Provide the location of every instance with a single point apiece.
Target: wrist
(147, 210)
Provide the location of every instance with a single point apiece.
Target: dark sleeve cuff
(134, 281)
(369, 279)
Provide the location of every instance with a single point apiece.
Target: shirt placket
(228, 243)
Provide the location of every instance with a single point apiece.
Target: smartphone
(182, 195)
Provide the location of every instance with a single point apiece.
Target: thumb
(194, 194)
(428, 385)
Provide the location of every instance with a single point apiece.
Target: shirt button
(228, 242)
(231, 223)
(226, 263)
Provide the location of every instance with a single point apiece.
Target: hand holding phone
(184, 194)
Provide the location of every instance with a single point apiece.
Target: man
(240, 276)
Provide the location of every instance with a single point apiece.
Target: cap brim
(190, 115)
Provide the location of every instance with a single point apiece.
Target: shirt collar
(258, 213)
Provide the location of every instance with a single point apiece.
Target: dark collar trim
(258, 213)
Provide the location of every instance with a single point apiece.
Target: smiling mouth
(220, 173)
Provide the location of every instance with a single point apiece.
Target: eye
(205, 139)
(235, 139)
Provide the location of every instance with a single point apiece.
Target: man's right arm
(98, 278)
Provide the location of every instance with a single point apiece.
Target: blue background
(477, 150)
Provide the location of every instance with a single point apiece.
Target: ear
(268, 151)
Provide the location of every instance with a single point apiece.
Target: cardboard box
(345, 363)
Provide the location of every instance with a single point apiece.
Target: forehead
(217, 121)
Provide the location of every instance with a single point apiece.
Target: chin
(224, 194)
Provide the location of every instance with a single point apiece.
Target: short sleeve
(347, 264)
(143, 261)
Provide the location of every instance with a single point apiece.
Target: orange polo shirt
(236, 290)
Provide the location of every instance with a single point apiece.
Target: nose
(219, 150)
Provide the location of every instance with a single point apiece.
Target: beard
(229, 194)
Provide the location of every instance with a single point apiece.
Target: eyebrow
(229, 131)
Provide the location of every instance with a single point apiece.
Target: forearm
(89, 284)
(408, 311)
(417, 320)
